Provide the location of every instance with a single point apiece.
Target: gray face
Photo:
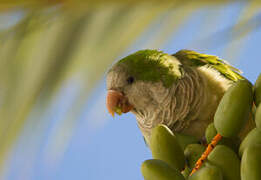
(143, 96)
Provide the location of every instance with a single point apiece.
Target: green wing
(192, 58)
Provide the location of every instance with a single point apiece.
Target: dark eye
(130, 80)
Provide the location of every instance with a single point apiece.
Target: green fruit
(155, 169)
(234, 109)
(257, 91)
(227, 161)
(193, 153)
(252, 138)
(185, 140)
(211, 132)
(208, 172)
(186, 172)
(258, 117)
(251, 163)
(164, 146)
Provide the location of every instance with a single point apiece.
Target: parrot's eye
(130, 80)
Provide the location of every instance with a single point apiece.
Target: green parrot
(181, 90)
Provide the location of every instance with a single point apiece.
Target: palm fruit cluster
(175, 155)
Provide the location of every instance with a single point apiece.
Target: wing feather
(192, 58)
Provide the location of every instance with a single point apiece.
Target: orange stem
(204, 156)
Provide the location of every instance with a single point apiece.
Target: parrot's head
(140, 81)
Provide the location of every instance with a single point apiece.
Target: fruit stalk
(204, 156)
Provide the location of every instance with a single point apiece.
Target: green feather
(192, 58)
(153, 66)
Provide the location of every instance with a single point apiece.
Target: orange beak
(117, 102)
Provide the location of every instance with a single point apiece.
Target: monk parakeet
(181, 90)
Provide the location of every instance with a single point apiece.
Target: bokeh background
(53, 61)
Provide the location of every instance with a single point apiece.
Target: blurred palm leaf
(57, 42)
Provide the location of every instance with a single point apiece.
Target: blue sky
(109, 148)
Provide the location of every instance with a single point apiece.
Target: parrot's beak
(117, 102)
